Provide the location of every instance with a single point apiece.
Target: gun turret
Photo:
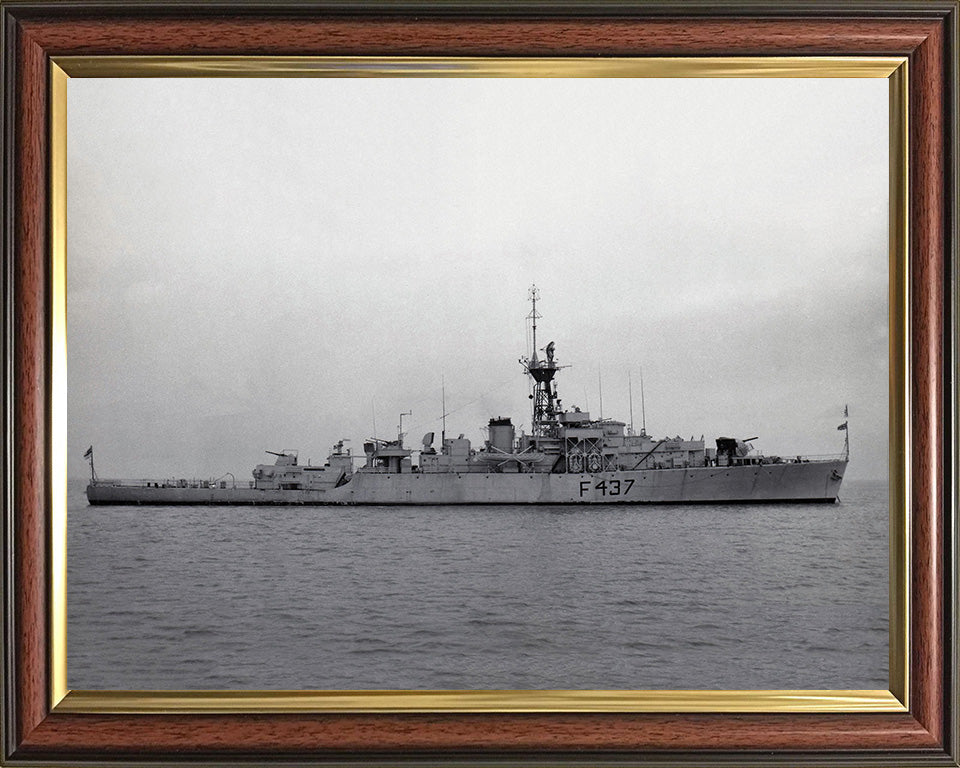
(287, 458)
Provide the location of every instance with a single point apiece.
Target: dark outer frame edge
(11, 10)
(498, 8)
(8, 31)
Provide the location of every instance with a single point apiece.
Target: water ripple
(480, 597)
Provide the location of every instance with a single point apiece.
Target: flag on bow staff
(846, 433)
(89, 453)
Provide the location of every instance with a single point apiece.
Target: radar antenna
(546, 404)
(533, 294)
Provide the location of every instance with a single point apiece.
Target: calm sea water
(627, 597)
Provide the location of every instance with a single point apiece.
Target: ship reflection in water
(568, 458)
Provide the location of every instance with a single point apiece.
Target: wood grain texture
(399, 37)
(920, 733)
(299, 734)
(29, 373)
(927, 159)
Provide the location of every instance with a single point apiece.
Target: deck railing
(803, 458)
(178, 482)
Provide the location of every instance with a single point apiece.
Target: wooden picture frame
(39, 731)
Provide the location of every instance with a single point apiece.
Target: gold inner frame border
(894, 69)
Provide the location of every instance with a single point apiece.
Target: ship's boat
(568, 457)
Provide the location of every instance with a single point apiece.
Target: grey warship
(567, 458)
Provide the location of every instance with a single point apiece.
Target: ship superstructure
(567, 458)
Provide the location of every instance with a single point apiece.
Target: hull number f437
(606, 487)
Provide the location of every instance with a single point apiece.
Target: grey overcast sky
(269, 264)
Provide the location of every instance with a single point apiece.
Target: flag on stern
(89, 453)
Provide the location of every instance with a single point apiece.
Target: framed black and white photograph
(295, 311)
(412, 375)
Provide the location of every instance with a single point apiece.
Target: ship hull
(813, 481)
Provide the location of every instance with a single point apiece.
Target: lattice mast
(546, 404)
